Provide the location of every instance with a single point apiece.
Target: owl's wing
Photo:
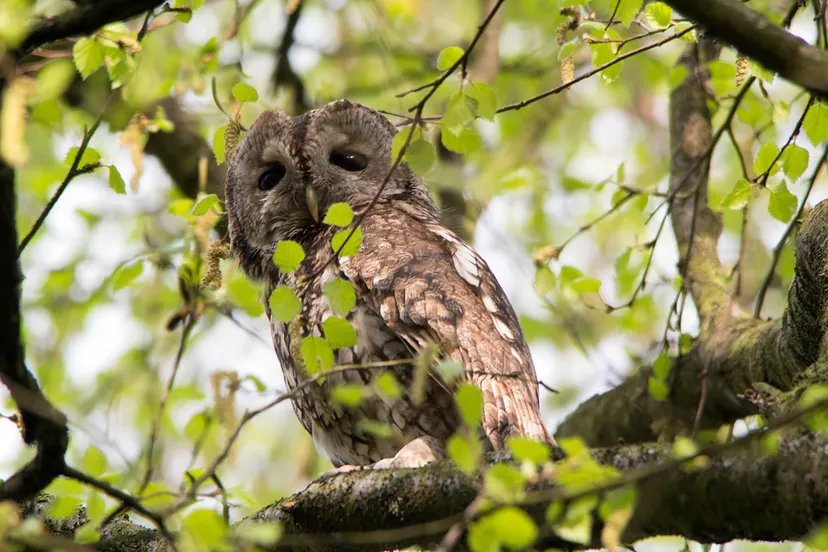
(429, 285)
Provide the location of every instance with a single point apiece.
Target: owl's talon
(415, 454)
(341, 469)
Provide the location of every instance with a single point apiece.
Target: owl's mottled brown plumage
(416, 283)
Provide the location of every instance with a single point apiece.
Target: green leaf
(657, 388)
(603, 53)
(95, 508)
(218, 144)
(460, 111)
(266, 535)
(467, 142)
(420, 156)
(196, 425)
(388, 386)
(684, 448)
(568, 48)
(245, 93)
(470, 403)
(259, 384)
(504, 483)
(204, 205)
(375, 428)
(341, 295)
(116, 181)
(351, 247)
(661, 366)
(339, 332)
(348, 394)
(756, 69)
(527, 450)
(766, 156)
(464, 452)
(284, 304)
(317, 354)
(794, 161)
(124, 275)
(738, 196)
(64, 506)
(94, 461)
(450, 370)
(339, 214)
(586, 285)
(448, 57)
(627, 10)
(53, 79)
(486, 100)
(815, 123)
(88, 55)
(402, 137)
(659, 15)
(545, 280)
(288, 255)
(90, 157)
(509, 526)
(782, 204)
(87, 534)
(205, 526)
(781, 111)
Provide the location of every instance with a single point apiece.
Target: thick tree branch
(83, 20)
(375, 510)
(757, 37)
(43, 424)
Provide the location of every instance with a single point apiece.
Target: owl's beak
(312, 202)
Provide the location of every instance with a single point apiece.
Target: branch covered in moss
(375, 510)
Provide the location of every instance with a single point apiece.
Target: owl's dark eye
(271, 177)
(351, 162)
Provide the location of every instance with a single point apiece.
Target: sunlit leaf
(794, 161)
(448, 57)
(88, 55)
(766, 156)
(504, 483)
(782, 203)
(204, 205)
(815, 123)
(288, 255)
(348, 394)
(339, 214)
(420, 156)
(388, 386)
(245, 93)
(341, 295)
(317, 354)
(527, 450)
(627, 10)
(116, 181)
(124, 275)
(339, 332)
(658, 14)
(94, 461)
(738, 196)
(470, 404)
(486, 100)
(467, 142)
(349, 240)
(284, 304)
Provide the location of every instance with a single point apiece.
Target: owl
(418, 288)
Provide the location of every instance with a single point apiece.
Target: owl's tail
(510, 408)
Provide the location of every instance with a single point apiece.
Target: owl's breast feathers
(429, 285)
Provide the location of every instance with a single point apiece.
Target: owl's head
(288, 170)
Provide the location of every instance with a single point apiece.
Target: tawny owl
(417, 285)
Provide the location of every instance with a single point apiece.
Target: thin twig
(125, 498)
(573, 82)
(74, 171)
